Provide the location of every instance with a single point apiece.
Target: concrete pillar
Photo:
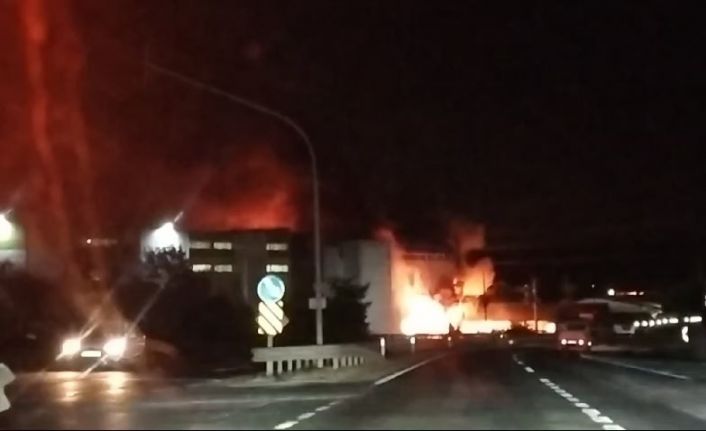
(290, 366)
(320, 363)
(280, 366)
(298, 364)
(335, 363)
(269, 368)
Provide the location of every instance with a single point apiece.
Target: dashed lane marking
(305, 416)
(611, 427)
(593, 414)
(285, 425)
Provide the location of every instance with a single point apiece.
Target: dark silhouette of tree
(175, 305)
(346, 313)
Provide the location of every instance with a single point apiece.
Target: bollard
(6, 377)
(413, 343)
(383, 345)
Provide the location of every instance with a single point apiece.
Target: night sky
(556, 124)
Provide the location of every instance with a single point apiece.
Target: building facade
(234, 261)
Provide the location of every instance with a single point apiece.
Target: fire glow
(435, 293)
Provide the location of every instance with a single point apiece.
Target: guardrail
(292, 358)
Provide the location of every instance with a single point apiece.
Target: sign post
(270, 314)
(271, 319)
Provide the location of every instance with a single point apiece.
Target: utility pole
(485, 298)
(534, 303)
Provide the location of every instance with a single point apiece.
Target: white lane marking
(395, 375)
(635, 367)
(529, 369)
(333, 403)
(305, 416)
(593, 414)
(596, 416)
(285, 425)
(322, 408)
(602, 420)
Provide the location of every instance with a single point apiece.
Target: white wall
(367, 262)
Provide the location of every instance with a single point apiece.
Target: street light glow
(165, 236)
(7, 229)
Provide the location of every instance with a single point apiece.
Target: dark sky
(554, 123)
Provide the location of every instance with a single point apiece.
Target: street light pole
(318, 280)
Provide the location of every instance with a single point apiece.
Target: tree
(346, 313)
(171, 303)
(34, 315)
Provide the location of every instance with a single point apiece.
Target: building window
(276, 246)
(200, 245)
(276, 267)
(223, 268)
(201, 267)
(223, 245)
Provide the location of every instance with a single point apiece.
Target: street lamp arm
(237, 99)
(287, 120)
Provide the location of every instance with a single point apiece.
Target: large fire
(257, 190)
(434, 293)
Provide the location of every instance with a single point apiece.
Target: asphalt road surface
(473, 389)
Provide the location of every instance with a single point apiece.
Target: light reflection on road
(116, 383)
(72, 387)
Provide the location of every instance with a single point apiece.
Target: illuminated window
(276, 246)
(222, 245)
(275, 267)
(200, 245)
(201, 267)
(223, 268)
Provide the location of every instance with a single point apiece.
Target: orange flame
(426, 300)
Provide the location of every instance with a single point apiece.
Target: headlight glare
(115, 347)
(71, 346)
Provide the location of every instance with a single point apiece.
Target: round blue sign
(270, 288)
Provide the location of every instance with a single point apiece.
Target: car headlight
(115, 347)
(71, 346)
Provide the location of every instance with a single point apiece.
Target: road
(471, 389)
